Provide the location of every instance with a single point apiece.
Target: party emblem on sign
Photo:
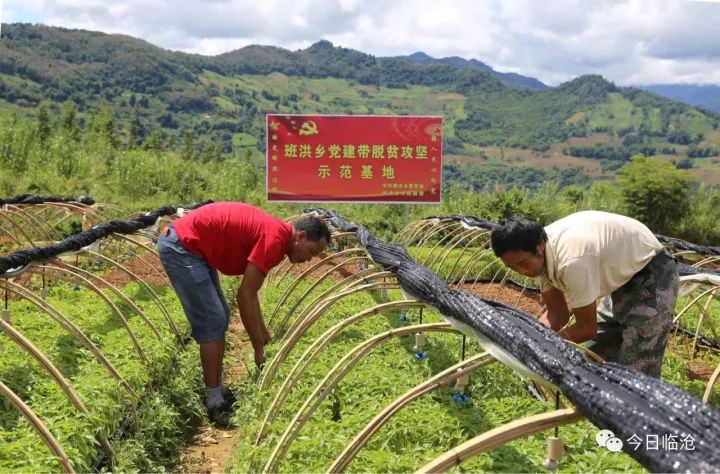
(308, 128)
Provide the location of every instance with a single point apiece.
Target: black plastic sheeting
(33, 199)
(629, 403)
(20, 258)
(683, 245)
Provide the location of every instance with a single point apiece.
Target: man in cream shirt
(590, 255)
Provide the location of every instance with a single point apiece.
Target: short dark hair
(516, 233)
(313, 226)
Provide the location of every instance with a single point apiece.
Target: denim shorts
(198, 287)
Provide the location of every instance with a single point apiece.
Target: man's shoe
(221, 415)
(229, 397)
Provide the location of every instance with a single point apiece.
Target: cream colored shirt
(590, 254)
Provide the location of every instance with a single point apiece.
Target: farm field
(348, 343)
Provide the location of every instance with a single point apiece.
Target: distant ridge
(509, 78)
(706, 96)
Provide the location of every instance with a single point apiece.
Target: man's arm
(585, 326)
(557, 314)
(247, 300)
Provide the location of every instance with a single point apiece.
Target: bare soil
(210, 449)
(340, 273)
(697, 370)
(150, 270)
(526, 301)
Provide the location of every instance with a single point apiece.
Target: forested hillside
(497, 130)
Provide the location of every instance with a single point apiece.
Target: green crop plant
(168, 398)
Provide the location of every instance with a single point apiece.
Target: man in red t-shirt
(235, 239)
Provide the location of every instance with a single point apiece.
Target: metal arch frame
(710, 292)
(483, 246)
(146, 287)
(711, 383)
(47, 437)
(441, 227)
(333, 377)
(317, 282)
(19, 229)
(11, 235)
(74, 209)
(494, 277)
(114, 290)
(450, 246)
(76, 332)
(315, 348)
(706, 260)
(113, 307)
(302, 276)
(82, 209)
(365, 277)
(302, 325)
(44, 232)
(435, 382)
(54, 373)
(146, 247)
(286, 265)
(503, 282)
(401, 234)
(501, 435)
(467, 266)
(107, 246)
(416, 229)
(445, 241)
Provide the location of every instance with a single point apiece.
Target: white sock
(214, 396)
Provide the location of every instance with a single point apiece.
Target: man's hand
(557, 314)
(585, 327)
(259, 358)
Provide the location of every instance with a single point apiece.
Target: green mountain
(509, 78)
(706, 96)
(495, 131)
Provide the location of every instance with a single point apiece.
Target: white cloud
(627, 41)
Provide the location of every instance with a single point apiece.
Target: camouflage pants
(634, 320)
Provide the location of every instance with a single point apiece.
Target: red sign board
(354, 158)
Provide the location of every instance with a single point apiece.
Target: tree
(43, 126)
(132, 132)
(188, 146)
(654, 192)
(68, 121)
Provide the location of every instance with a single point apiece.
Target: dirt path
(211, 449)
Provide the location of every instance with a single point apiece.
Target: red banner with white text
(354, 158)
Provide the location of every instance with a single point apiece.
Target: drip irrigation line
(629, 403)
(702, 340)
(34, 199)
(123, 431)
(23, 258)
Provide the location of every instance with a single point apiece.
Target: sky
(630, 42)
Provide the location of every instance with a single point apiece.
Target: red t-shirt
(228, 235)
